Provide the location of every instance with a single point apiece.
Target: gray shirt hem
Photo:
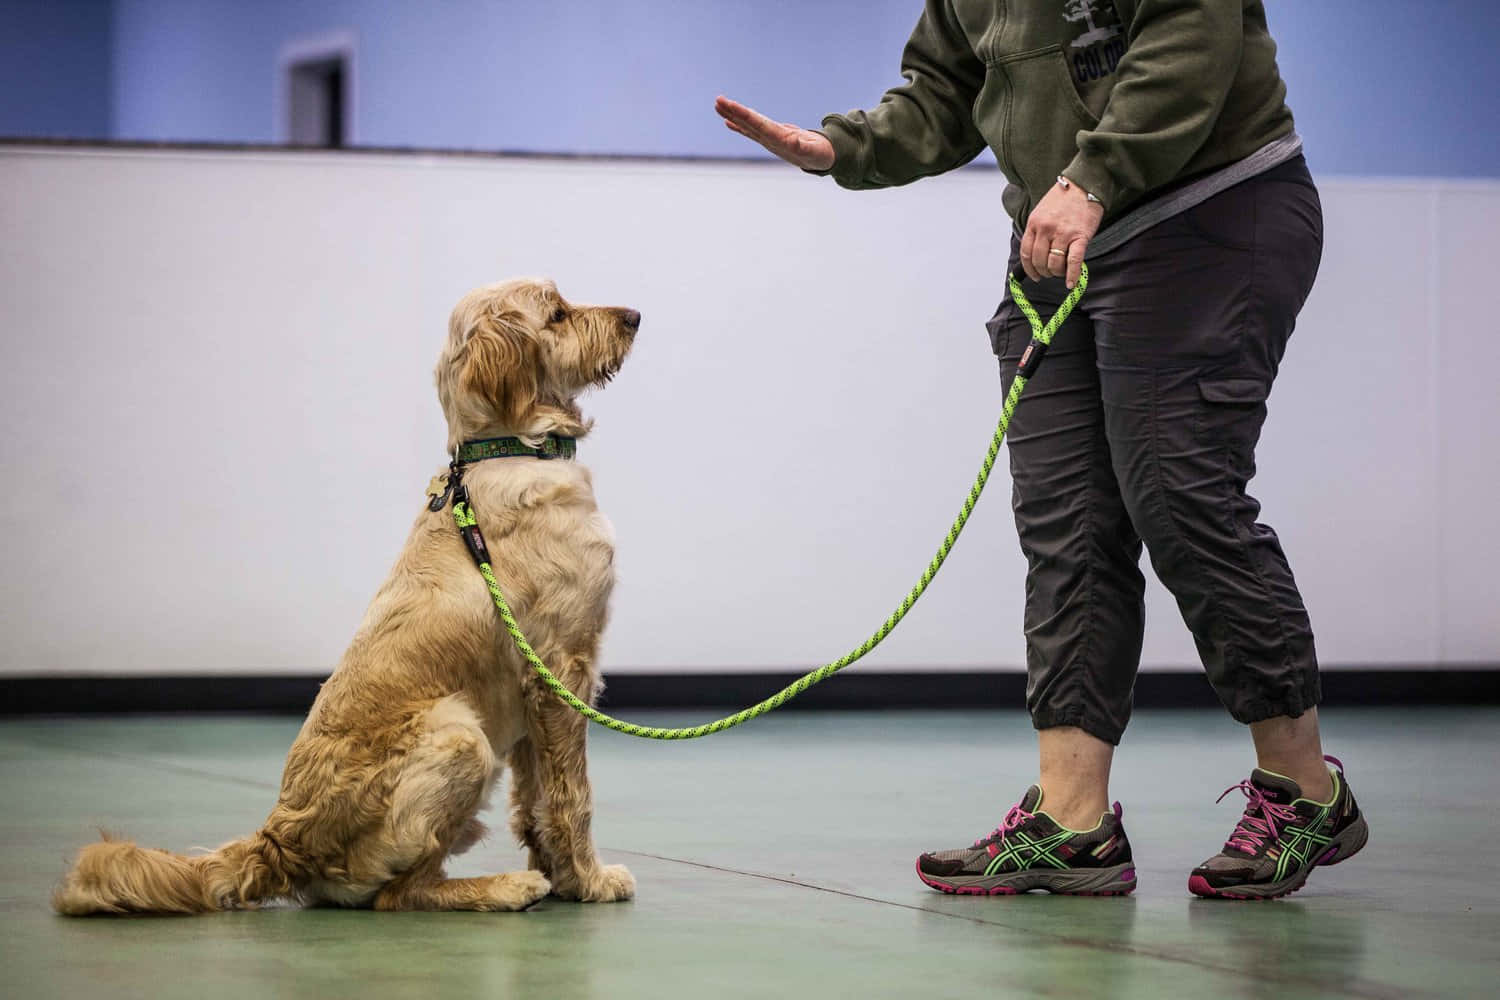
(1140, 219)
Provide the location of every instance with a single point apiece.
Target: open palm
(798, 146)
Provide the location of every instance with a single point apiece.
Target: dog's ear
(502, 364)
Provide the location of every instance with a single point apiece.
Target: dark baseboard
(292, 695)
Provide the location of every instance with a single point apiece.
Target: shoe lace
(1012, 820)
(1258, 824)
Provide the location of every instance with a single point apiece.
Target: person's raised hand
(798, 146)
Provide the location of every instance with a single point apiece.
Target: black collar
(553, 446)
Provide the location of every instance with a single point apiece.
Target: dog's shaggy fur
(410, 732)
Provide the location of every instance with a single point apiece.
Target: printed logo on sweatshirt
(1100, 44)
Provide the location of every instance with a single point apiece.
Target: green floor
(775, 861)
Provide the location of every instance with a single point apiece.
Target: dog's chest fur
(552, 551)
(433, 630)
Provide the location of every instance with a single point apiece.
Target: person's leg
(1192, 322)
(1192, 319)
(1083, 622)
(1085, 604)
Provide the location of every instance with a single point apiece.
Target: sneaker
(1030, 850)
(1281, 838)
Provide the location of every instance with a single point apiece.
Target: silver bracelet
(1064, 183)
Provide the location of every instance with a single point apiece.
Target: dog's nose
(631, 318)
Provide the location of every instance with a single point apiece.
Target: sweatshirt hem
(1179, 200)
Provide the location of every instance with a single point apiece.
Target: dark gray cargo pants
(1141, 425)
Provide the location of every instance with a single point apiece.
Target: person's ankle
(1316, 784)
(1075, 812)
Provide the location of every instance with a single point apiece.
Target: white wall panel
(1465, 350)
(216, 377)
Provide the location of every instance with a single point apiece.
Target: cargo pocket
(1231, 412)
(1233, 390)
(999, 326)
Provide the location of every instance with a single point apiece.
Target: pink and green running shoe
(1031, 850)
(1281, 838)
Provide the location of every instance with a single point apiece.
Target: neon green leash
(463, 514)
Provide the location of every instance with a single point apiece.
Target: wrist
(820, 150)
(849, 156)
(1089, 174)
(1068, 185)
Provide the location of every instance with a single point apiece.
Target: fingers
(729, 108)
(1043, 258)
(1036, 256)
(797, 146)
(1076, 251)
(749, 122)
(1048, 257)
(755, 126)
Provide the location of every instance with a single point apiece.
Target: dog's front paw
(609, 884)
(613, 884)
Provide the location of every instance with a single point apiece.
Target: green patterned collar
(554, 446)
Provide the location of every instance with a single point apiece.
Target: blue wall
(633, 76)
(55, 68)
(1383, 87)
(1393, 86)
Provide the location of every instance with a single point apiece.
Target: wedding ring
(1060, 253)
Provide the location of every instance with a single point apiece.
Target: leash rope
(463, 514)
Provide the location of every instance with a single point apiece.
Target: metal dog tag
(438, 490)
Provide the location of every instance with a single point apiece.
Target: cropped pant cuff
(1291, 704)
(1080, 718)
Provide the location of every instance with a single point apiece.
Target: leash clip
(456, 482)
(444, 487)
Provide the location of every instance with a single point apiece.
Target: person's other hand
(1064, 220)
(798, 146)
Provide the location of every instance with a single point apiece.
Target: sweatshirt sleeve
(1169, 89)
(921, 128)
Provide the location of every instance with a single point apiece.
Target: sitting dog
(409, 733)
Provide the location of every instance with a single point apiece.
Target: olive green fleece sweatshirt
(1124, 98)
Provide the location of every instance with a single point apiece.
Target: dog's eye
(559, 315)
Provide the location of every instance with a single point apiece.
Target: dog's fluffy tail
(116, 876)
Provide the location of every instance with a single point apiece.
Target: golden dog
(409, 733)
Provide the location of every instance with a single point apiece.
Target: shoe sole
(1116, 881)
(1343, 847)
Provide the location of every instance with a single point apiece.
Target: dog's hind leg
(559, 738)
(428, 890)
(442, 785)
